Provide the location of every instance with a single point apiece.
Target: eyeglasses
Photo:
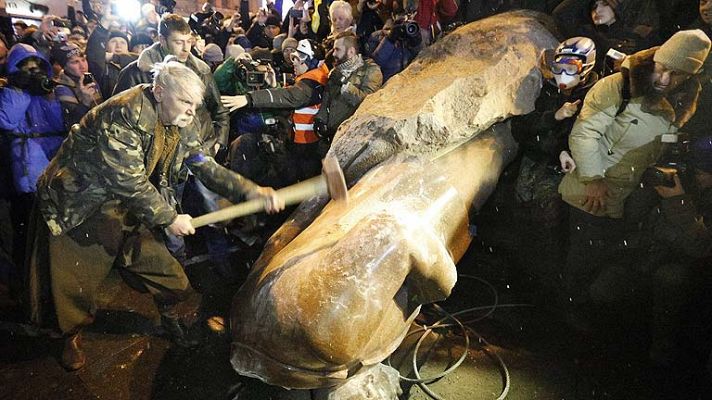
(296, 59)
(568, 66)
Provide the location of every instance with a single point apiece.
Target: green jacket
(111, 154)
(337, 104)
(620, 148)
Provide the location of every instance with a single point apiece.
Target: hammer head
(335, 182)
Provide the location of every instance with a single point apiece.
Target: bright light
(128, 10)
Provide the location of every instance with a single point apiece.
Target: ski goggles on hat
(567, 65)
(298, 58)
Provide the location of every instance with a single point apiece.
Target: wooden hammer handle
(291, 195)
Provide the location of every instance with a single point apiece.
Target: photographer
(77, 89)
(31, 127)
(263, 30)
(303, 99)
(250, 71)
(107, 54)
(53, 31)
(616, 137)
(670, 247)
(398, 48)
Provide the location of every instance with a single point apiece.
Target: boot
(73, 357)
(179, 321)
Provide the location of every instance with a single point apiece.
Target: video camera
(247, 73)
(206, 23)
(673, 162)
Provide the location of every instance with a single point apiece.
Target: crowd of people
(106, 125)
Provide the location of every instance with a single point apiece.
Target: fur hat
(685, 51)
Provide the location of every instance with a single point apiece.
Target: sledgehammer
(330, 181)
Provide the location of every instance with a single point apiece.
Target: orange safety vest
(303, 118)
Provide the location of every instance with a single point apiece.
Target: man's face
(342, 53)
(176, 108)
(30, 65)
(117, 45)
(76, 66)
(340, 21)
(706, 11)
(287, 55)
(299, 66)
(178, 44)
(271, 31)
(602, 14)
(666, 80)
(19, 30)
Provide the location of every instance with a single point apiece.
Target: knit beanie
(233, 50)
(62, 53)
(685, 51)
(140, 38)
(119, 34)
(212, 53)
(289, 43)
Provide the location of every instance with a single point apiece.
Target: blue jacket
(31, 127)
(392, 57)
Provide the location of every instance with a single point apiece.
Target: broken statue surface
(336, 288)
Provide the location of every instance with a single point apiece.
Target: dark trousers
(81, 259)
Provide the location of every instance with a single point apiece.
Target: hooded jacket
(32, 127)
(112, 155)
(213, 117)
(618, 148)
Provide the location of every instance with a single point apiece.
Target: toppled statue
(336, 289)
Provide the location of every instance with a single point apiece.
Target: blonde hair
(173, 76)
(341, 5)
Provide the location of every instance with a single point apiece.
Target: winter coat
(32, 127)
(67, 93)
(541, 137)
(214, 117)
(304, 97)
(105, 72)
(338, 104)
(618, 148)
(304, 92)
(112, 154)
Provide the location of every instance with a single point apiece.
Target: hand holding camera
(667, 191)
(87, 89)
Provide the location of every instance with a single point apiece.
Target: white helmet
(573, 60)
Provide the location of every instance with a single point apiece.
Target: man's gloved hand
(321, 130)
(182, 226)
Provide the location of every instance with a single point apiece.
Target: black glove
(321, 130)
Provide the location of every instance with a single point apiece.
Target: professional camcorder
(247, 73)
(673, 162)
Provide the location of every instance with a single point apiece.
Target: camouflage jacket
(110, 156)
(214, 117)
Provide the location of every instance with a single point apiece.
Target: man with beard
(101, 202)
(351, 80)
(31, 128)
(616, 137)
